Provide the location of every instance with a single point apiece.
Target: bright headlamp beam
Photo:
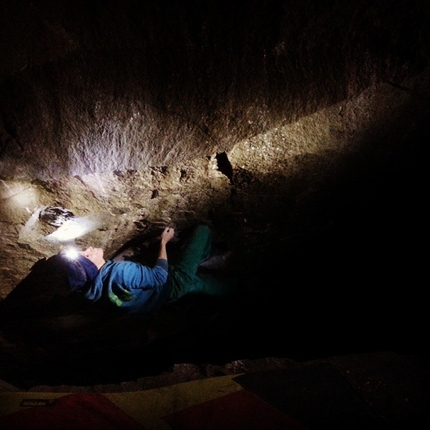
(71, 253)
(73, 228)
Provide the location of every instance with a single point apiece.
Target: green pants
(184, 276)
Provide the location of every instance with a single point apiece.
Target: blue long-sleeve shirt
(130, 285)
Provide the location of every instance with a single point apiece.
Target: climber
(137, 288)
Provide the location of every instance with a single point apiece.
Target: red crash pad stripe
(86, 411)
(234, 411)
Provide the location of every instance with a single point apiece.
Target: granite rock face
(295, 131)
(117, 112)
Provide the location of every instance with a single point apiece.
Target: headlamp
(71, 253)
